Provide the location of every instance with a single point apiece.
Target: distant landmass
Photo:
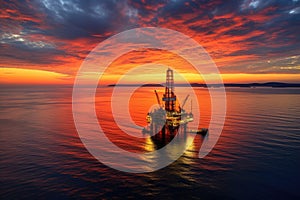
(268, 84)
(135, 85)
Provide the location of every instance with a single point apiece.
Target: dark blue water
(256, 157)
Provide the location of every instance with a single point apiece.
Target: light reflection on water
(257, 155)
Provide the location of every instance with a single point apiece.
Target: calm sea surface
(256, 157)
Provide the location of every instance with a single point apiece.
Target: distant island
(268, 84)
(135, 85)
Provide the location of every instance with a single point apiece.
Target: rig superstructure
(170, 115)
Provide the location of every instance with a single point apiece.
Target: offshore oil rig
(170, 116)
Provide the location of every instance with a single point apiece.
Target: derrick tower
(169, 97)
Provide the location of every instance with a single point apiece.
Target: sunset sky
(46, 41)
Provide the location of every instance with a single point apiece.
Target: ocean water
(256, 157)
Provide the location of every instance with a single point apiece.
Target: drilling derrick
(169, 97)
(167, 119)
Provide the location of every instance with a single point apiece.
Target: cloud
(237, 34)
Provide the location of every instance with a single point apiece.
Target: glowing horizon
(31, 76)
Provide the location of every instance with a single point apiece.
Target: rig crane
(157, 98)
(184, 101)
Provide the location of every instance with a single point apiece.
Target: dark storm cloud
(38, 52)
(77, 19)
(50, 31)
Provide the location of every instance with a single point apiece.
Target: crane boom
(157, 98)
(184, 101)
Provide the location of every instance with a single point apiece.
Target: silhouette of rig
(166, 120)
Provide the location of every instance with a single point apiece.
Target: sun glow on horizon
(32, 76)
(41, 77)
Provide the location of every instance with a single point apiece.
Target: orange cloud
(233, 39)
